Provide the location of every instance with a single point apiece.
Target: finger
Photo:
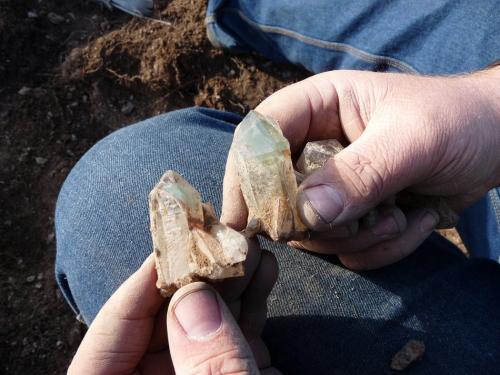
(138, 297)
(391, 224)
(421, 223)
(232, 289)
(120, 334)
(156, 363)
(234, 209)
(203, 335)
(254, 300)
(305, 111)
(367, 172)
(270, 371)
(260, 352)
(338, 231)
(158, 338)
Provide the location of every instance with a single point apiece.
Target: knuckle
(352, 262)
(367, 175)
(229, 362)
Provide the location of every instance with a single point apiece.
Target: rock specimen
(189, 242)
(316, 154)
(411, 352)
(267, 179)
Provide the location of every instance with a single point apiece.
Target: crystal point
(267, 179)
(189, 242)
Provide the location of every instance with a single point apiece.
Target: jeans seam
(495, 202)
(335, 46)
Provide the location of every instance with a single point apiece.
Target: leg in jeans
(322, 318)
(426, 36)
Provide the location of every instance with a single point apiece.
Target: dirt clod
(55, 18)
(411, 352)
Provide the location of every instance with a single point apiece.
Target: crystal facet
(189, 242)
(267, 178)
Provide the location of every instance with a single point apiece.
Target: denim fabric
(323, 319)
(424, 36)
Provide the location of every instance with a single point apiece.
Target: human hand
(436, 136)
(129, 335)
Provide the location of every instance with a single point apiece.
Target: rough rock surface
(411, 352)
(267, 178)
(189, 242)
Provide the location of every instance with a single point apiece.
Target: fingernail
(387, 226)
(324, 201)
(429, 221)
(198, 313)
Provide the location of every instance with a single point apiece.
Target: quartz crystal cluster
(267, 180)
(189, 242)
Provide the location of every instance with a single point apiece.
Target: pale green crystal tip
(259, 135)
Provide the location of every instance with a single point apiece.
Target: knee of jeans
(62, 283)
(107, 190)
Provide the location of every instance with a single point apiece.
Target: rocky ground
(70, 73)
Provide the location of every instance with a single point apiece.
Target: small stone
(55, 18)
(30, 278)
(24, 91)
(411, 352)
(127, 108)
(74, 335)
(50, 238)
(32, 14)
(38, 285)
(40, 161)
(231, 73)
(74, 138)
(59, 343)
(39, 276)
(189, 242)
(316, 154)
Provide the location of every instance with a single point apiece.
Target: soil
(72, 71)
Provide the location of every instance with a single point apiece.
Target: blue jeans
(322, 318)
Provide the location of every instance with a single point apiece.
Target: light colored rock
(316, 154)
(55, 18)
(411, 352)
(24, 91)
(267, 179)
(189, 242)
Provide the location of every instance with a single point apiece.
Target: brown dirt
(65, 85)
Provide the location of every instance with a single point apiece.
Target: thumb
(203, 335)
(368, 171)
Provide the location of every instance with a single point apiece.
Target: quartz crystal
(267, 179)
(316, 154)
(189, 242)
